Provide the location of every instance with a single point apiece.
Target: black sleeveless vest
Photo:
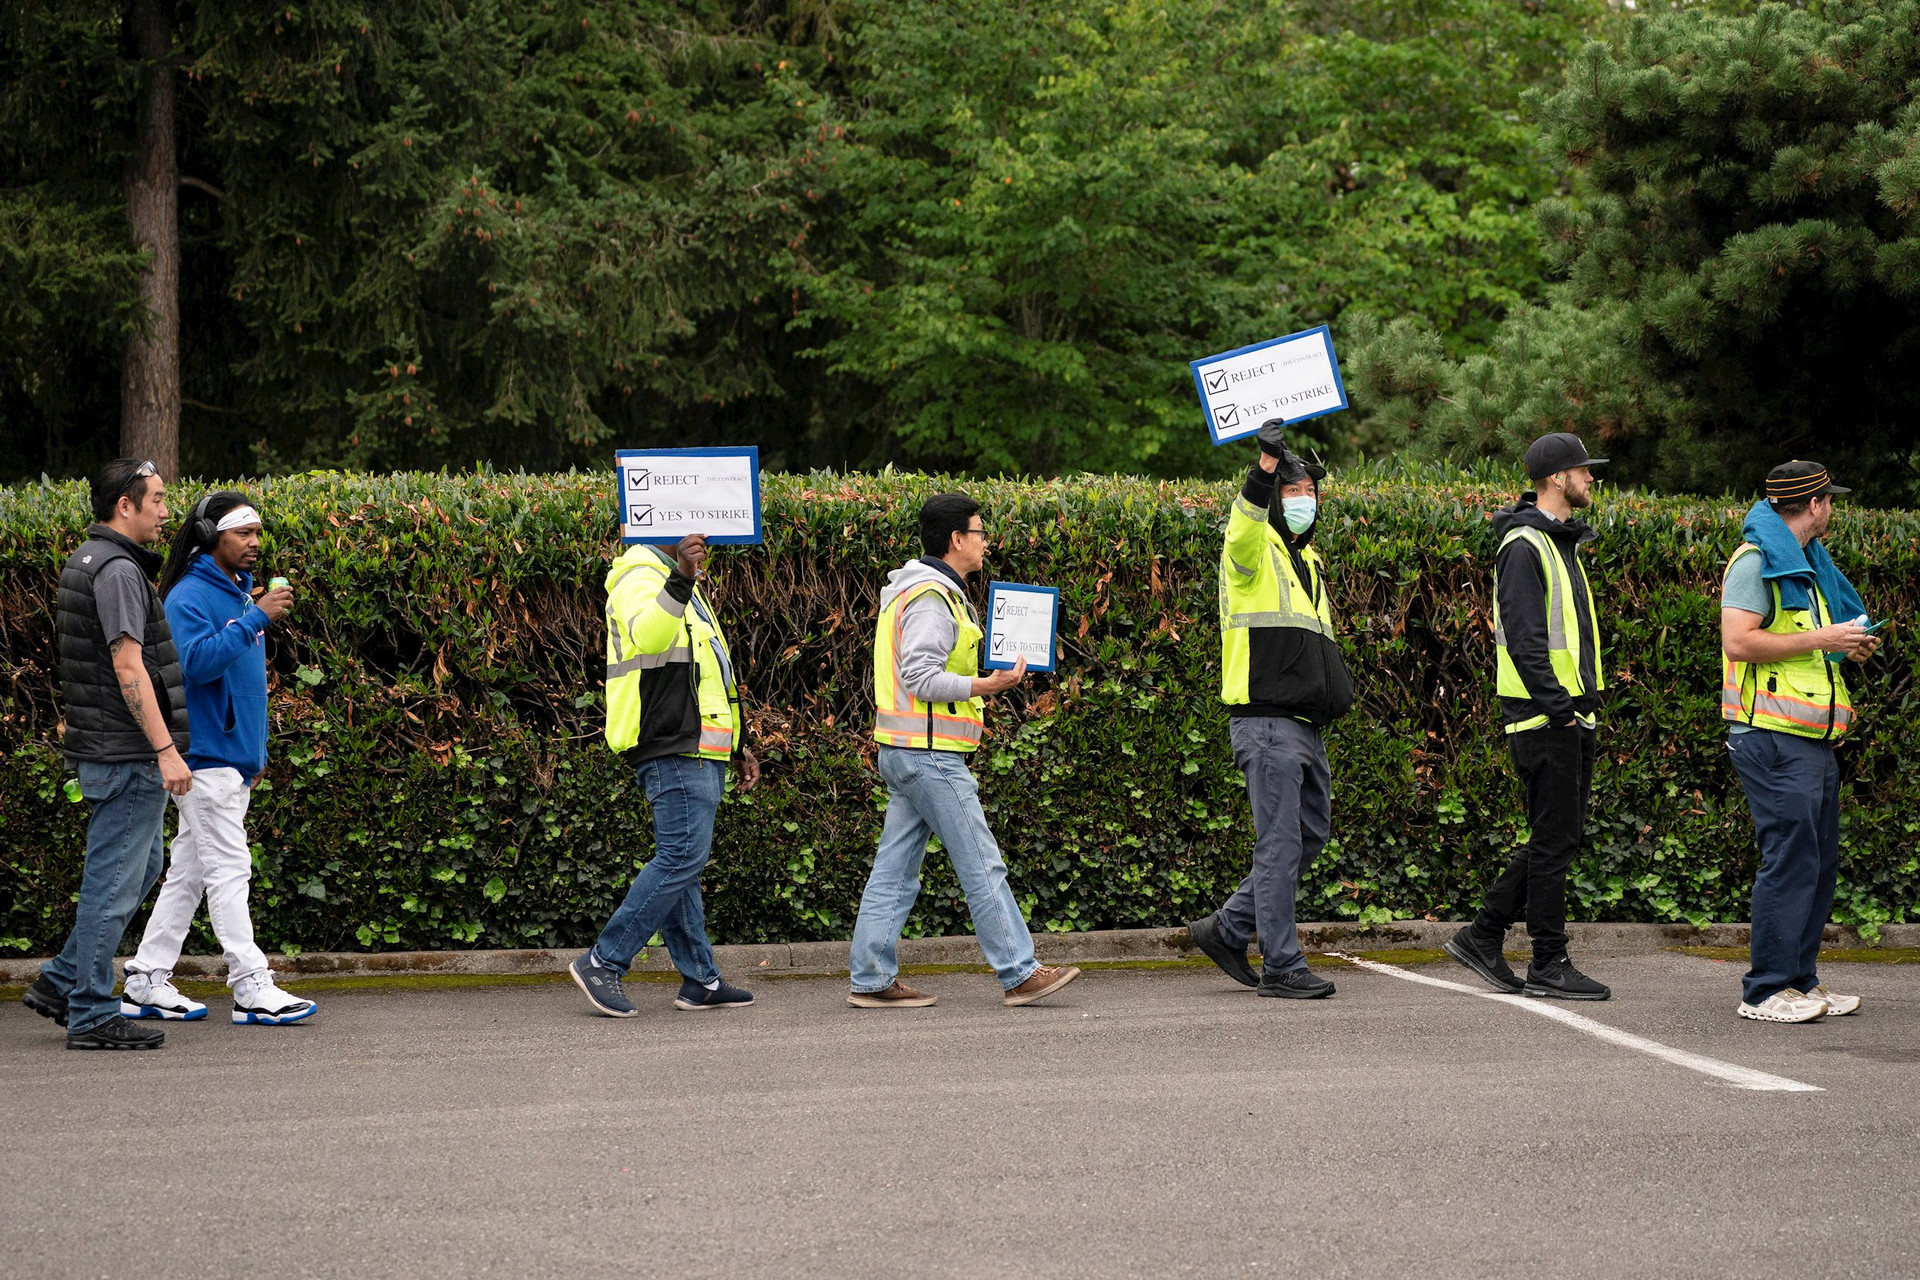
(100, 729)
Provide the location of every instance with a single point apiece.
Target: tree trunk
(150, 377)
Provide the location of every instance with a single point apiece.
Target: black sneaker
(1206, 936)
(601, 986)
(45, 999)
(1296, 984)
(725, 996)
(1483, 960)
(117, 1033)
(1560, 980)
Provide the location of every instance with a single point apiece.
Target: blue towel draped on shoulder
(1794, 568)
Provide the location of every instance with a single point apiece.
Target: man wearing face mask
(1283, 680)
(1548, 676)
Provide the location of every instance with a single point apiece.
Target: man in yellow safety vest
(1283, 680)
(930, 714)
(1548, 675)
(1788, 617)
(673, 714)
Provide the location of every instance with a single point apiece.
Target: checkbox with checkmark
(1216, 381)
(1226, 417)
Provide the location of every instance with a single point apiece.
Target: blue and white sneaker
(257, 1001)
(600, 983)
(153, 995)
(694, 996)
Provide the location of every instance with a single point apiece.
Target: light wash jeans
(209, 857)
(125, 851)
(934, 793)
(665, 896)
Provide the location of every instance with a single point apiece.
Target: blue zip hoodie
(220, 633)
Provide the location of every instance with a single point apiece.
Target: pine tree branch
(205, 186)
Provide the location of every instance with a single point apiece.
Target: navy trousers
(1793, 791)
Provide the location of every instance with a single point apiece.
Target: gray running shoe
(601, 985)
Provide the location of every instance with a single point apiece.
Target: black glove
(1271, 437)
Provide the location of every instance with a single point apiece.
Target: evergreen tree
(1742, 262)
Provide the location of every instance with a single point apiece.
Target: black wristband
(1258, 489)
(680, 586)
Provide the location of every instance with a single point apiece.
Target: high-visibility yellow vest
(1804, 695)
(900, 718)
(1566, 643)
(1259, 588)
(649, 631)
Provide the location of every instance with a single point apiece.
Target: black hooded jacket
(1522, 595)
(1295, 674)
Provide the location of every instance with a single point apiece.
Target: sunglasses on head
(140, 473)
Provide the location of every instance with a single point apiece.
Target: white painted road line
(1737, 1076)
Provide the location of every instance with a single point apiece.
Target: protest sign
(1020, 624)
(666, 494)
(1294, 377)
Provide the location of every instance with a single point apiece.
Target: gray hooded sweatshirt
(928, 632)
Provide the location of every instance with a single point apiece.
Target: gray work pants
(1291, 790)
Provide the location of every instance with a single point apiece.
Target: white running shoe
(153, 995)
(257, 1000)
(1786, 1006)
(1838, 1006)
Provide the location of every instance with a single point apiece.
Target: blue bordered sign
(1020, 623)
(666, 494)
(1295, 377)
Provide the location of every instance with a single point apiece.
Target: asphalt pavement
(1146, 1122)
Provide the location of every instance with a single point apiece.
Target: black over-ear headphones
(201, 530)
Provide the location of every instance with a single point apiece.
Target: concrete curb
(797, 958)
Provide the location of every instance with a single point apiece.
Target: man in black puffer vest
(126, 733)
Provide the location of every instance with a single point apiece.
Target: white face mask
(1299, 512)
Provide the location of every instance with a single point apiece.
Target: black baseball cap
(1799, 480)
(1561, 451)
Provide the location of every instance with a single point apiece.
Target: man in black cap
(1788, 616)
(1283, 681)
(1547, 653)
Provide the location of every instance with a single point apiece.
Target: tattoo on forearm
(135, 693)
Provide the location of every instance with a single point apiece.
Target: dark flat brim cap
(1560, 451)
(1800, 480)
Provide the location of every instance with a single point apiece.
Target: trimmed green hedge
(439, 779)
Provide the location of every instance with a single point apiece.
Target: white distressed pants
(209, 858)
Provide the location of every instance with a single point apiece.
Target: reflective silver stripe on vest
(648, 661)
(955, 728)
(1556, 619)
(1280, 618)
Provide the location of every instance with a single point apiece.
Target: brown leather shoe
(897, 996)
(1044, 982)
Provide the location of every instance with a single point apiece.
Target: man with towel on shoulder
(1788, 617)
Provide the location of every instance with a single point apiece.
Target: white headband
(237, 518)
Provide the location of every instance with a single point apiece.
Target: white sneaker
(153, 995)
(257, 1000)
(1786, 1006)
(1838, 1006)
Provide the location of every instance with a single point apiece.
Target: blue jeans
(125, 851)
(1793, 791)
(934, 793)
(665, 897)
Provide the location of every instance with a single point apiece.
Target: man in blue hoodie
(220, 631)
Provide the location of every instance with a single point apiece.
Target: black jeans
(1556, 764)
